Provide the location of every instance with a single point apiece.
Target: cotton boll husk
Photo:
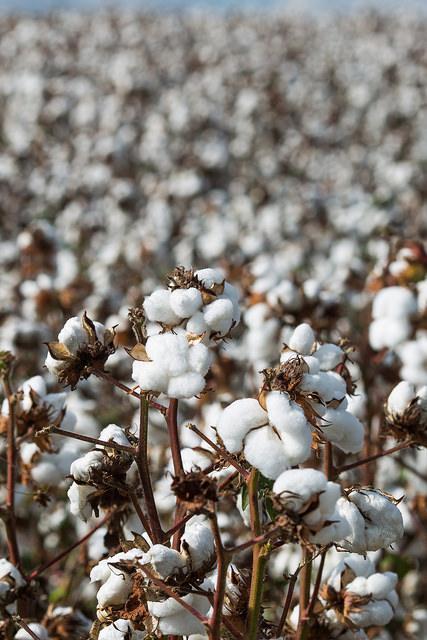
(218, 315)
(150, 376)
(237, 420)
(394, 302)
(199, 358)
(165, 562)
(329, 356)
(115, 590)
(400, 397)
(158, 308)
(343, 429)
(186, 385)
(185, 302)
(302, 340)
(265, 451)
(38, 629)
(200, 541)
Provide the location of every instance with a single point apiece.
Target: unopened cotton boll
(302, 340)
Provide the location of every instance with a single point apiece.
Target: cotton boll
(376, 612)
(355, 540)
(237, 420)
(158, 308)
(343, 429)
(302, 340)
(383, 520)
(173, 619)
(198, 541)
(39, 630)
(285, 415)
(297, 446)
(218, 315)
(186, 385)
(359, 586)
(114, 433)
(264, 450)
(199, 358)
(120, 629)
(400, 398)
(329, 356)
(169, 351)
(394, 302)
(78, 496)
(165, 562)
(28, 452)
(185, 302)
(46, 473)
(197, 323)
(209, 277)
(380, 584)
(72, 334)
(115, 590)
(149, 376)
(193, 459)
(81, 468)
(388, 332)
(297, 486)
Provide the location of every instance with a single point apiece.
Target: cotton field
(213, 326)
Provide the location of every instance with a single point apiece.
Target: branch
(222, 452)
(221, 582)
(259, 560)
(288, 602)
(375, 456)
(172, 422)
(84, 438)
(10, 518)
(63, 554)
(104, 375)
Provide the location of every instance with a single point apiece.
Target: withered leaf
(58, 351)
(138, 352)
(89, 327)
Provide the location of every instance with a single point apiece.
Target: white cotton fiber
(185, 302)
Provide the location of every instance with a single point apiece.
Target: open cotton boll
(169, 351)
(388, 332)
(115, 590)
(329, 356)
(186, 385)
(198, 541)
(218, 315)
(114, 433)
(199, 358)
(73, 335)
(209, 277)
(149, 376)
(193, 459)
(185, 302)
(165, 562)
(38, 630)
(296, 486)
(37, 384)
(394, 302)
(173, 619)
(264, 450)
(120, 629)
(237, 420)
(197, 323)
(343, 429)
(10, 577)
(376, 612)
(302, 340)
(284, 414)
(400, 398)
(78, 496)
(380, 584)
(46, 473)
(81, 468)
(383, 520)
(158, 307)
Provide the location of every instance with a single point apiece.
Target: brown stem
(104, 375)
(10, 518)
(304, 593)
(65, 553)
(223, 452)
(141, 515)
(317, 583)
(328, 461)
(257, 540)
(375, 456)
(84, 438)
(288, 602)
(144, 472)
(221, 582)
(171, 593)
(172, 422)
(25, 626)
(178, 525)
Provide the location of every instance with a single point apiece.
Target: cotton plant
(188, 519)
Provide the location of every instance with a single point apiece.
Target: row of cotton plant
(186, 539)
